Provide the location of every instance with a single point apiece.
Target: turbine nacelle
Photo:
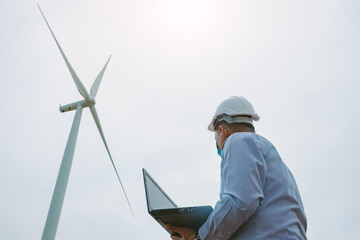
(72, 106)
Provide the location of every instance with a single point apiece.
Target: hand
(186, 233)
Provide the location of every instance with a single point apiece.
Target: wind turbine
(57, 200)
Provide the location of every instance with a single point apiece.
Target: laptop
(165, 211)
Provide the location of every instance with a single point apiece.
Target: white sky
(172, 63)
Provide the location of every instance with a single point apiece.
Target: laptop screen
(156, 197)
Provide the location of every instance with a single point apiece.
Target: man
(259, 198)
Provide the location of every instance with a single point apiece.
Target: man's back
(280, 214)
(259, 198)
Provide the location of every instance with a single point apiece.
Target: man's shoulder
(249, 137)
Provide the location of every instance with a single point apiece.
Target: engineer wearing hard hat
(259, 198)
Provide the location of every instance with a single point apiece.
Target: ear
(226, 131)
(220, 128)
(223, 130)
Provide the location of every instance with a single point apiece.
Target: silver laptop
(165, 211)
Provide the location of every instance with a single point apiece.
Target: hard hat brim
(254, 117)
(211, 126)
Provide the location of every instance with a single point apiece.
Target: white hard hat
(234, 110)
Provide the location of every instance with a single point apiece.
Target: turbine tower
(57, 200)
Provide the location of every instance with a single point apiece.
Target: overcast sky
(172, 63)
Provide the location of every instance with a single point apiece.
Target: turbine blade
(96, 84)
(97, 122)
(78, 83)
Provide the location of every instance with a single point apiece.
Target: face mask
(218, 150)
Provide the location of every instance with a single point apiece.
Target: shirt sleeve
(242, 179)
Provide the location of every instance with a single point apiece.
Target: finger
(173, 228)
(169, 227)
(175, 238)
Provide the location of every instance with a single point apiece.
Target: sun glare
(175, 20)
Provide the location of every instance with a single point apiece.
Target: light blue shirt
(259, 198)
